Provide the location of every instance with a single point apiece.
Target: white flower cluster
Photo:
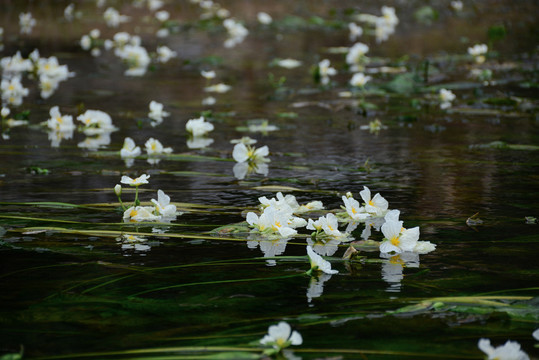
(236, 32)
(49, 72)
(384, 25)
(162, 210)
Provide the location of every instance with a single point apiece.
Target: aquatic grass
(231, 352)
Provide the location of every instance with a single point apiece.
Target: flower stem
(137, 201)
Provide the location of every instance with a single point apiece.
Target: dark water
(67, 293)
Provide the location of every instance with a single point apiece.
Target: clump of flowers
(236, 33)
(384, 25)
(327, 227)
(162, 209)
(478, 51)
(271, 223)
(91, 42)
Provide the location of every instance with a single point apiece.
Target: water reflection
(270, 248)
(316, 286)
(392, 269)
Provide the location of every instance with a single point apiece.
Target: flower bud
(349, 194)
(118, 190)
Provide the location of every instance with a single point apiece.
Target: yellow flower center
(153, 146)
(59, 119)
(133, 213)
(330, 228)
(395, 240)
(371, 203)
(354, 211)
(280, 342)
(11, 88)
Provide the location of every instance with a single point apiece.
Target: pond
(448, 136)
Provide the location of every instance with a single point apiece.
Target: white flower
(328, 224)
(272, 221)
(478, 50)
(264, 18)
(424, 247)
(13, 91)
(209, 101)
(154, 147)
(198, 127)
(281, 335)
(356, 53)
(59, 122)
(508, 351)
(163, 206)
(289, 63)
(319, 264)
(359, 79)
(535, 334)
(162, 15)
(68, 12)
(164, 54)
(376, 206)
(96, 122)
(113, 17)
(446, 97)
(208, 74)
(155, 4)
(140, 213)
(398, 239)
(26, 22)
(156, 112)
(129, 149)
(15, 65)
(242, 153)
(355, 31)
(356, 212)
(218, 88)
(311, 206)
(456, 5)
(5, 112)
(137, 59)
(142, 179)
(325, 71)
